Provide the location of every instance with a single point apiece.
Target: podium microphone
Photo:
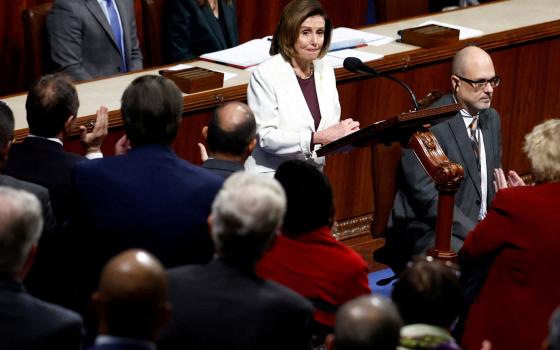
(355, 65)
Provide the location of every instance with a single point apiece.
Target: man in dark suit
(93, 38)
(148, 198)
(196, 27)
(230, 136)
(224, 305)
(131, 302)
(472, 138)
(52, 105)
(27, 322)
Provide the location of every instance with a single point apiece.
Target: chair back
(152, 21)
(36, 43)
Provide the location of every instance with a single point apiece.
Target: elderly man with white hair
(224, 305)
(27, 322)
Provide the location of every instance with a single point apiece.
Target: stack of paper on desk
(242, 56)
(256, 51)
(342, 34)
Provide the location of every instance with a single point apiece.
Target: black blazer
(217, 306)
(46, 163)
(192, 30)
(31, 324)
(223, 168)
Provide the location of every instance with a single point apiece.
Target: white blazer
(284, 122)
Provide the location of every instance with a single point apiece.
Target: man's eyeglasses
(481, 84)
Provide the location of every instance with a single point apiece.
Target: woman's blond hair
(542, 146)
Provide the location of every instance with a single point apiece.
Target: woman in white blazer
(293, 94)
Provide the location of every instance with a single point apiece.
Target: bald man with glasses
(471, 138)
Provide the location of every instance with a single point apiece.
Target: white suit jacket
(284, 122)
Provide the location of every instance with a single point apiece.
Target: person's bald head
(472, 64)
(231, 131)
(132, 294)
(367, 322)
(469, 59)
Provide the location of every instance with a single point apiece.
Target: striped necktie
(117, 31)
(473, 136)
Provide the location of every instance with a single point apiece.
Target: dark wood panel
(390, 10)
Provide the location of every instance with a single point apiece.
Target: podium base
(445, 255)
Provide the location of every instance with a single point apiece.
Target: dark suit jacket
(519, 242)
(411, 227)
(31, 324)
(46, 163)
(149, 199)
(217, 306)
(192, 30)
(82, 42)
(223, 168)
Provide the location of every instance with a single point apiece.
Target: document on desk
(464, 32)
(342, 34)
(242, 56)
(336, 58)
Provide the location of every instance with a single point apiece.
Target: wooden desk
(522, 36)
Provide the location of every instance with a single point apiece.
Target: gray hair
(20, 227)
(246, 214)
(554, 330)
(542, 146)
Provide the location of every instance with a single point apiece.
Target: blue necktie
(115, 26)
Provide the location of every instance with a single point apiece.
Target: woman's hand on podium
(336, 131)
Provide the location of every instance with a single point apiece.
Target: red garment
(316, 266)
(520, 241)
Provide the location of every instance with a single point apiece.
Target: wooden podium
(411, 131)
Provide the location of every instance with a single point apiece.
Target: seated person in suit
(93, 38)
(518, 243)
(25, 321)
(230, 136)
(293, 94)
(471, 138)
(196, 27)
(429, 298)
(224, 305)
(367, 322)
(131, 302)
(306, 257)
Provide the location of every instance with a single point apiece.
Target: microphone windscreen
(352, 63)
